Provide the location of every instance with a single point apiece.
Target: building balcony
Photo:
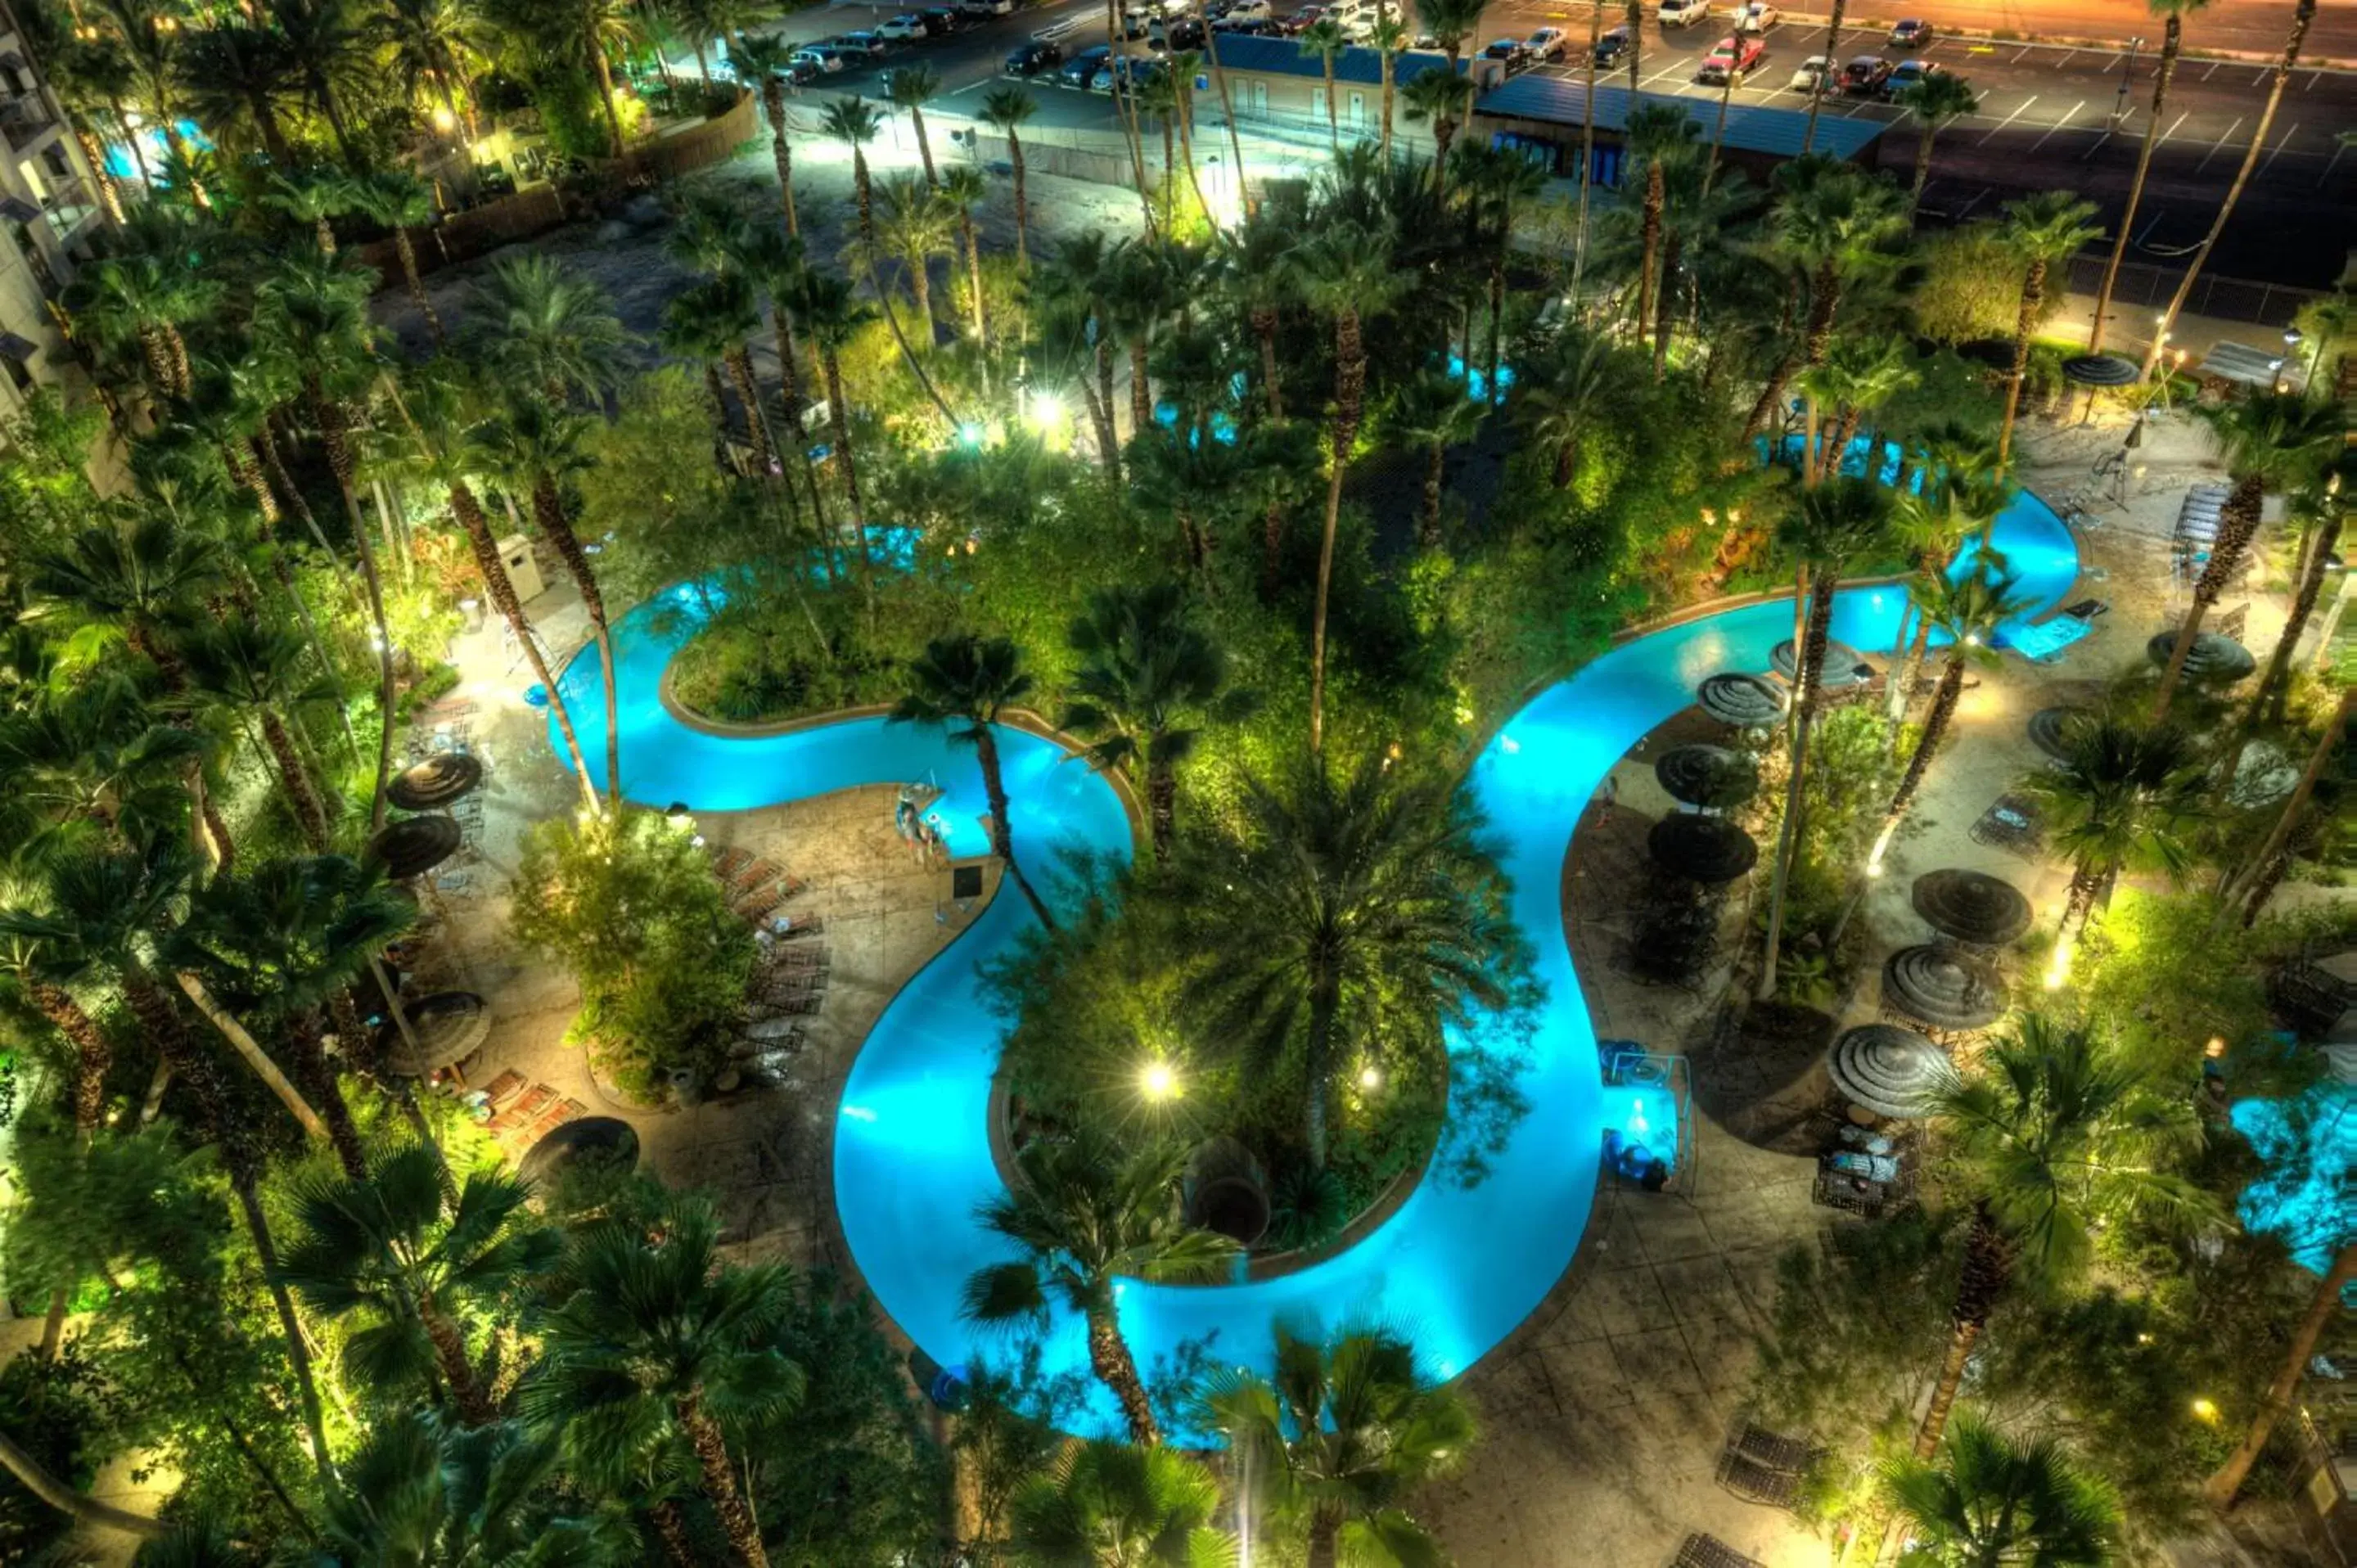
(26, 122)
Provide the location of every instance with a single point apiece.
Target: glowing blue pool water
(2309, 1148)
(1455, 1268)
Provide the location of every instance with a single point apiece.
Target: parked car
(1248, 11)
(1911, 33)
(1756, 17)
(1610, 45)
(861, 42)
(1864, 77)
(943, 21)
(1184, 34)
(1737, 56)
(817, 58)
(1134, 26)
(1082, 69)
(906, 27)
(1513, 52)
(987, 7)
(1117, 75)
(1682, 12)
(1298, 22)
(1031, 59)
(1810, 75)
(1547, 43)
(1908, 73)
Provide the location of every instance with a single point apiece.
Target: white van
(1683, 13)
(987, 7)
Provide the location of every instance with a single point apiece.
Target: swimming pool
(1455, 1268)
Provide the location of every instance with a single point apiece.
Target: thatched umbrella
(1971, 906)
(2212, 658)
(606, 1141)
(1944, 986)
(2049, 730)
(448, 1026)
(1842, 666)
(1702, 848)
(1889, 1070)
(1746, 701)
(435, 782)
(1712, 777)
(414, 846)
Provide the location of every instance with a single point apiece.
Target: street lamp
(2128, 77)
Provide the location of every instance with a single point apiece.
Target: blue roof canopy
(1750, 127)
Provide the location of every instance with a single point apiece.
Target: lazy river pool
(1455, 1267)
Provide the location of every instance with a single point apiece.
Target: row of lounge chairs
(523, 1113)
(755, 886)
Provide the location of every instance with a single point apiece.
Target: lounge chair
(2087, 609)
(753, 876)
(1699, 1551)
(503, 1089)
(535, 1099)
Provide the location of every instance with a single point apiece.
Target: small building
(49, 205)
(1272, 80)
(1542, 114)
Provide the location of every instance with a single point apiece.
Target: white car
(1547, 43)
(1811, 75)
(1756, 17)
(987, 7)
(827, 61)
(1682, 12)
(1248, 11)
(906, 27)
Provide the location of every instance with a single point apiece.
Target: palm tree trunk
(1811, 656)
(2238, 524)
(1988, 1269)
(1587, 146)
(2280, 834)
(333, 435)
(739, 362)
(36, 1478)
(416, 284)
(1333, 121)
(1390, 91)
(605, 94)
(309, 815)
(720, 1481)
(1325, 1538)
(839, 418)
(477, 529)
(773, 100)
(1429, 536)
(974, 277)
(924, 147)
(1935, 729)
(1110, 1359)
(2303, 15)
(1002, 831)
(254, 1056)
(1227, 106)
(1349, 388)
(298, 1352)
(2321, 554)
(2219, 1490)
(1833, 61)
(1651, 233)
(548, 511)
(1665, 307)
(1141, 391)
(301, 1038)
(2033, 295)
(670, 1524)
(1264, 327)
(1022, 202)
(1925, 136)
(1162, 806)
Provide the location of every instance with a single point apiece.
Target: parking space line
(1666, 72)
(2259, 77)
(2268, 161)
(2173, 124)
(2212, 70)
(2313, 78)
(2332, 163)
(2065, 59)
(2008, 119)
(2017, 58)
(2217, 144)
(2058, 124)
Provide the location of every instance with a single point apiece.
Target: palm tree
(1006, 110)
(2303, 14)
(1442, 98)
(830, 316)
(1103, 1504)
(1509, 182)
(2270, 440)
(1833, 526)
(1991, 1500)
(1433, 413)
(857, 121)
(1452, 22)
(656, 1332)
(401, 201)
(913, 87)
(2172, 39)
(1966, 610)
(1088, 1214)
(1567, 393)
(1353, 915)
(248, 670)
(418, 1491)
(2327, 1304)
(1932, 102)
(1146, 677)
(383, 1248)
(2040, 229)
(1134, 296)
(428, 44)
(1326, 39)
(141, 579)
(315, 197)
(327, 54)
(143, 299)
(1833, 219)
(1867, 372)
(963, 683)
(1660, 136)
(2321, 510)
(1073, 290)
(916, 224)
(1259, 267)
(536, 322)
(1347, 274)
(1340, 1435)
(964, 189)
(1389, 40)
(2254, 878)
(316, 313)
(2121, 799)
(1832, 52)
(766, 59)
(2055, 1132)
(233, 69)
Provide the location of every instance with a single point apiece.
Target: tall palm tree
(1340, 1435)
(1832, 52)
(1660, 136)
(247, 670)
(315, 197)
(830, 316)
(1936, 101)
(856, 122)
(1566, 395)
(1990, 1499)
(2321, 509)
(537, 322)
(768, 58)
(1006, 110)
(1074, 289)
(964, 189)
(234, 69)
(2250, 879)
(145, 299)
(1259, 268)
(1452, 22)
(401, 201)
(2055, 1131)
(1103, 1504)
(917, 225)
(1087, 1214)
(1509, 182)
(1326, 39)
(418, 1491)
(1354, 915)
(1147, 678)
(383, 1248)
(1431, 414)
(913, 87)
(1441, 99)
(1833, 220)
(655, 1332)
(2270, 440)
(2303, 14)
(963, 683)
(2172, 40)
(327, 52)
(1134, 299)
(2121, 799)
(1870, 373)
(2040, 229)
(429, 44)
(143, 579)
(1347, 275)
(1833, 526)
(1966, 610)
(1389, 40)
(2327, 1304)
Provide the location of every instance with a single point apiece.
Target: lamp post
(2127, 80)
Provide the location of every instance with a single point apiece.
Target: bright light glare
(1158, 1083)
(444, 121)
(971, 433)
(1371, 1076)
(2205, 1409)
(1046, 411)
(2059, 972)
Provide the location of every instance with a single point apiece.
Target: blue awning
(1750, 128)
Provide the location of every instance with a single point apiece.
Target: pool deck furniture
(2013, 823)
(1699, 1551)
